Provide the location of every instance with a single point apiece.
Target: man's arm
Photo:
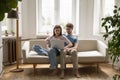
(75, 45)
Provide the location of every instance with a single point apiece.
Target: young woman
(52, 51)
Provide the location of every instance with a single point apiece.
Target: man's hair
(70, 25)
(56, 27)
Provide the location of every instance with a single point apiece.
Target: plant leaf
(2, 15)
(115, 11)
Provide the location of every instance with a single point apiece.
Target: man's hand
(68, 49)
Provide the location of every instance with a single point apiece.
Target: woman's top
(62, 37)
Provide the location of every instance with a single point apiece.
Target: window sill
(42, 36)
(101, 35)
(9, 36)
(38, 36)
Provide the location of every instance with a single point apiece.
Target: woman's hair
(56, 27)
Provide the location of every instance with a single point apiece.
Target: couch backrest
(40, 42)
(84, 45)
(87, 45)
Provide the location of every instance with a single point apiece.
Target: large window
(4, 25)
(52, 12)
(7, 25)
(102, 8)
(10, 24)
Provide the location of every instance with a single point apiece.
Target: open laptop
(57, 43)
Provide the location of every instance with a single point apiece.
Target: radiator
(9, 50)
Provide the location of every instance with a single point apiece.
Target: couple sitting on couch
(71, 44)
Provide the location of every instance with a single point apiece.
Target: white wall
(118, 3)
(28, 18)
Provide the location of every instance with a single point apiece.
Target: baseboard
(1, 74)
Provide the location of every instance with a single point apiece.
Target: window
(47, 18)
(65, 12)
(4, 25)
(10, 24)
(52, 12)
(7, 25)
(102, 8)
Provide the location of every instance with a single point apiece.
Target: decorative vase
(6, 33)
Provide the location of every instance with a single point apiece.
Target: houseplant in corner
(12, 32)
(112, 28)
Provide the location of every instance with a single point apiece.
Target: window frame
(97, 26)
(11, 23)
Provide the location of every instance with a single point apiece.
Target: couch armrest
(25, 50)
(102, 47)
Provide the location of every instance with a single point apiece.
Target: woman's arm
(48, 42)
(69, 44)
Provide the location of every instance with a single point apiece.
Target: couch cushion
(33, 57)
(87, 45)
(91, 56)
(40, 42)
(86, 57)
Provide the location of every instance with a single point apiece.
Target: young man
(72, 51)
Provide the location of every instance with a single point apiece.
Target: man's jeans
(53, 53)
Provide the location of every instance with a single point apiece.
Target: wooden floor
(87, 72)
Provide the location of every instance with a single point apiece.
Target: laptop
(57, 43)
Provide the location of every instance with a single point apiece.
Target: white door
(0, 51)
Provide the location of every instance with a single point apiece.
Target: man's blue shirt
(72, 38)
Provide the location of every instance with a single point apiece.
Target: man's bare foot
(62, 74)
(53, 72)
(77, 73)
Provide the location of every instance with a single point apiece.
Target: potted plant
(112, 28)
(12, 32)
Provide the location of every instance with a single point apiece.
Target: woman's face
(57, 31)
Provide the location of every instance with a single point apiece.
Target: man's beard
(69, 32)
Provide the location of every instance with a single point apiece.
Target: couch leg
(34, 67)
(97, 67)
(65, 65)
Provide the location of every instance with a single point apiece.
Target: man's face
(69, 30)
